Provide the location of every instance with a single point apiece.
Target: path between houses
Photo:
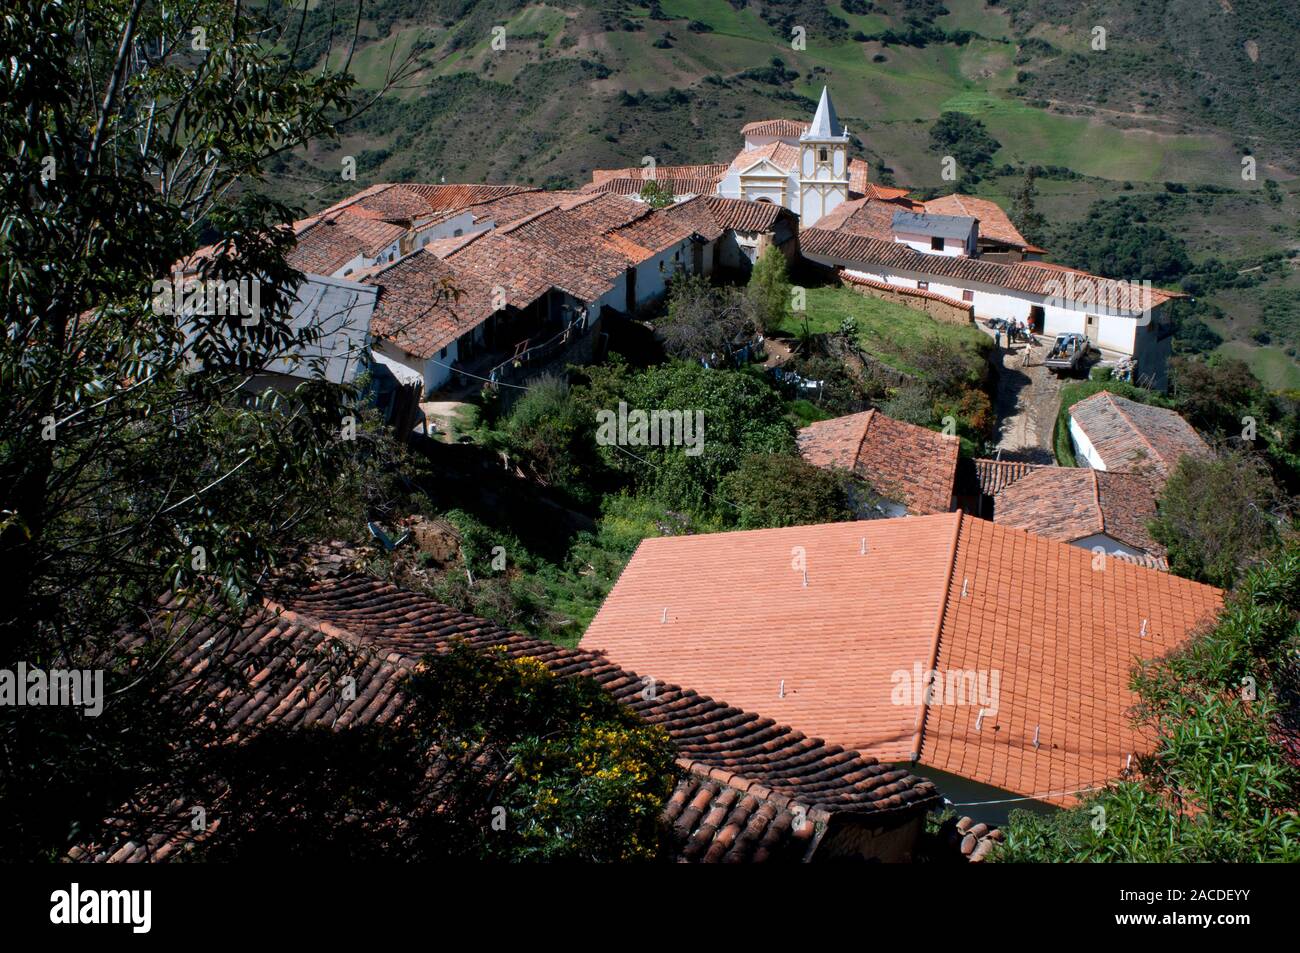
(1028, 398)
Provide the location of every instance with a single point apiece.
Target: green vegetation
(1218, 786)
(967, 140)
(1219, 516)
(770, 284)
(892, 333)
(770, 490)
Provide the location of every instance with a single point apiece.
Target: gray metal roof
(939, 226)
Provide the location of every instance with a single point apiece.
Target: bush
(1218, 516)
(770, 490)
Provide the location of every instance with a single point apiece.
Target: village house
(913, 468)
(751, 789)
(1110, 432)
(956, 247)
(493, 280)
(1098, 510)
(1122, 319)
(1031, 639)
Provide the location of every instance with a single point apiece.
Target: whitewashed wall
(1084, 451)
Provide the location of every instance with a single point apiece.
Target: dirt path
(1028, 398)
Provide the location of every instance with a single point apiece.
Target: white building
(804, 168)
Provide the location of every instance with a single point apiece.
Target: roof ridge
(938, 634)
(1136, 429)
(1096, 497)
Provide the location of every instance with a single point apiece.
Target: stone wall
(940, 308)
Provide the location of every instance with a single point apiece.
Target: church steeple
(823, 164)
(825, 124)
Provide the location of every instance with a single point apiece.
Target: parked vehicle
(1067, 353)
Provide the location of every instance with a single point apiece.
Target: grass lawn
(887, 331)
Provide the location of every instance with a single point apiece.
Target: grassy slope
(539, 112)
(890, 332)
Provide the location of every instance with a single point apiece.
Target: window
(442, 353)
(923, 285)
(823, 155)
(661, 267)
(968, 296)
(936, 244)
(457, 233)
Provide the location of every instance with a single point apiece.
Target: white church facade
(804, 167)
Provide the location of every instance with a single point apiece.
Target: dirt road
(1028, 398)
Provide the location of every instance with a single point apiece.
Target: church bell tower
(823, 164)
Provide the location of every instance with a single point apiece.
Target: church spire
(825, 124)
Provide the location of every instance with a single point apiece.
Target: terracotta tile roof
(682, 179)
(780, 128)
(743, 215)
(680, 187)
(713, 171)
(329, 241)
(742, 625)
(887, 193)
(1020, 276)
(781, 154)
(752, 789)
(995, 475)
(445, 198)
(1063, 637)
(902, 461)
(516, 206)
(871, 218)
(994, 222)
(1136, 437)
(415, 309)
(1072, 503)
(859, 176)
(944, 592)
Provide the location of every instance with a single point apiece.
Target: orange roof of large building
(750, 789)
(901, 461)
(837, 651)
(1137, 437)
(994, 222)
(848, 249)
(1074, 503)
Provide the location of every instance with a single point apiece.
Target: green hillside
(1182, 91)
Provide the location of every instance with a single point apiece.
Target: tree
(133, 457)
(1218, 516)
(704, 320)
(1215, 396)
(1117, 241)
(967, 140)
(772, 490)
(731, 414)
(1024, 213)
(657, 195)
(553, 436)
(1219, 785)
(769, 284)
